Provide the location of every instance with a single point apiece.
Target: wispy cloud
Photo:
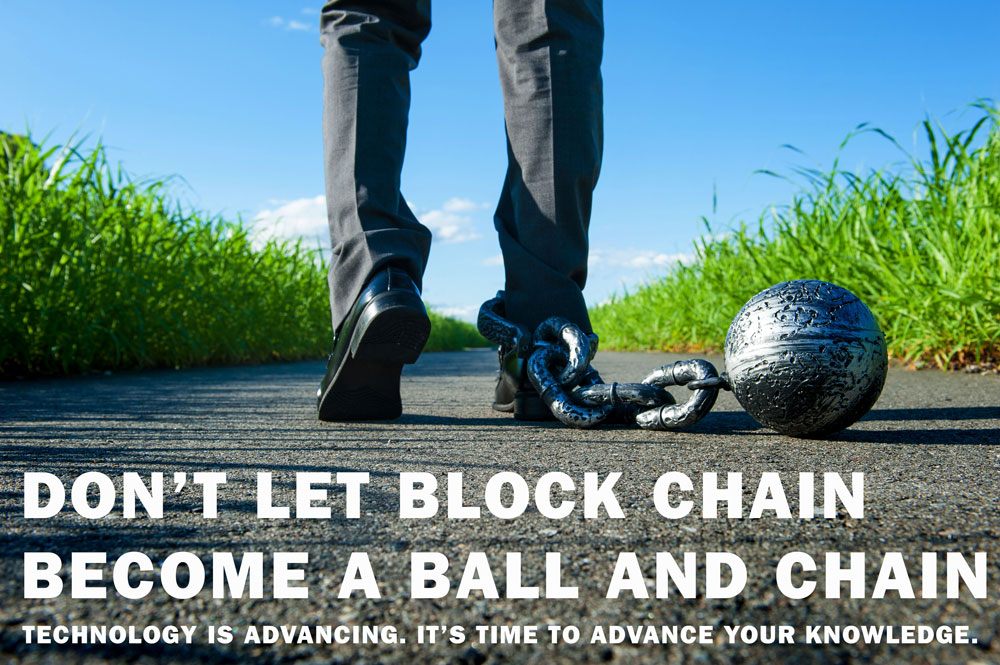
(291, 220)
(306, 218)
(636, 259)
(452, 222)
(288, 24)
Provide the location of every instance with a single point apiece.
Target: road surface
(929, 452)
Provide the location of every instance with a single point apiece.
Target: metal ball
(806, 358)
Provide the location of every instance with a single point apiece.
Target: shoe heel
(364, 390)
(393, 328)
(529, 406)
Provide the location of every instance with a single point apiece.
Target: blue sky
(697, 95)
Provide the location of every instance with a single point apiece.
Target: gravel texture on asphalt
(930, 452)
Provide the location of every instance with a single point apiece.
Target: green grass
(448, 334)
(921, 247)
(101, 272)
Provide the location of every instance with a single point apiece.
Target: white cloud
(310, 11)
(456, 204)
(448, 227)
(452, 223)
(495, 260)
(290, 24)
(291, 220)
(306, 218)
(636, 259)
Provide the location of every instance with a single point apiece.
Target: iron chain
(558, 357)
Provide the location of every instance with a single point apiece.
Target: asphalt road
(930, 452)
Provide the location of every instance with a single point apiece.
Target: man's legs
(370, 48)
(379, 247)
(549, 56)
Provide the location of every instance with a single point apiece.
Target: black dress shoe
(514, 392)
(387, 328)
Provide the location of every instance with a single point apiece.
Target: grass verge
(101, 272)
(448, 334)
(920, 247)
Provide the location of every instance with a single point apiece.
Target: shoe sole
(391, 332)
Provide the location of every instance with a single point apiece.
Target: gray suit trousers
(549, 57)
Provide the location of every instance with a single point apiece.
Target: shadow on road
(938, 413)
(452, 421)
(953, 436)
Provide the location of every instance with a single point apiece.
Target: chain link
(681, 373)
(558, 366)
